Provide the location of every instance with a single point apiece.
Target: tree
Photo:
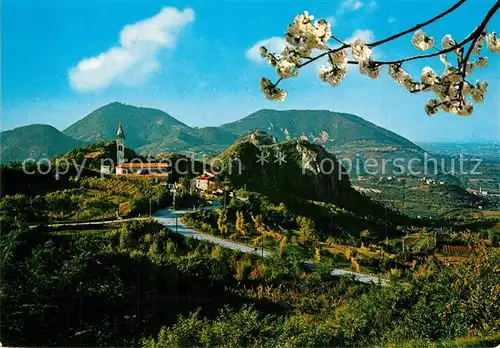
(240, 223)
(260, 227)
(222, 221)
(306, 229)
(453, 92)
(100, 205)
(59, 202)
(15, 206)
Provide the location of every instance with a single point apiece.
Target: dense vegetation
(137, 283)
(42, 198)
(94, 155)
(121, 285)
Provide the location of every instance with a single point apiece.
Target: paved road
(168, 218)
(87, 223)
(171, 219)
(362, 278)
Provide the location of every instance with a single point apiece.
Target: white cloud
(364, 34)
(350, 5)
(136, 57)
(273, 44)
(355, 5)
(331, 20)
(372, 5)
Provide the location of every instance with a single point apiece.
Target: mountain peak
(142, 125)
(332, 129)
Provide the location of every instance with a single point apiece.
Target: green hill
(34, 141)
(308, 180)
(349, 137)
(90, 156)
(306, 170)
(153, 131)
(141, 125)
(214, 136)
(331, 129)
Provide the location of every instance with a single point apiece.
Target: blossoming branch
(453, 92)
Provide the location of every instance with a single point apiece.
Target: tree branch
(344, 46)
(479, 31)
(474, 36)
(418, 26)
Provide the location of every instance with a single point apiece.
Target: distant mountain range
(34, 141)
(153, 131)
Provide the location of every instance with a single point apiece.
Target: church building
(136, 168)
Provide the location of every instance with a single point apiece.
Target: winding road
(171, 219)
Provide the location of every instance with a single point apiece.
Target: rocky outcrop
(294, 167)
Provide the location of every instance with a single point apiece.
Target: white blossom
(444, 89)
(481, 62)
(323, 33)
(422, 41)
(482, 86)
(304, 35)
(452, 74)
(300, 34)
(431, 107)
(444, 59)
(478, 45)
(467, 88)
(447, 105)
(469, 68)
(463, 109)
(479, 91)
(416, 87)
(286, 69)
(287, 64)
(369, 68)
(493, 42)
(360, 51)
(428, 76)
(477, 97)
(332, 74)
(459, 52)
(401, 76)
(448, 42)
(264, 53)
(338, 59)
(271, 91)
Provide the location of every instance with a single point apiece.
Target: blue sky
(197, 67)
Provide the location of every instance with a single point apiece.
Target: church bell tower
(120, 145)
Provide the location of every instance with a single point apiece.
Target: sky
(197, 61)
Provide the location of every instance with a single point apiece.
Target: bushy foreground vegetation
(136, 283)
(88, 198)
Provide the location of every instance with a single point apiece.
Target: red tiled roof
(155, 175)
(143, 165)
(204, 177)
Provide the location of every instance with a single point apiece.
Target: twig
(338, 40)
(471, 37)
(418, 26)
